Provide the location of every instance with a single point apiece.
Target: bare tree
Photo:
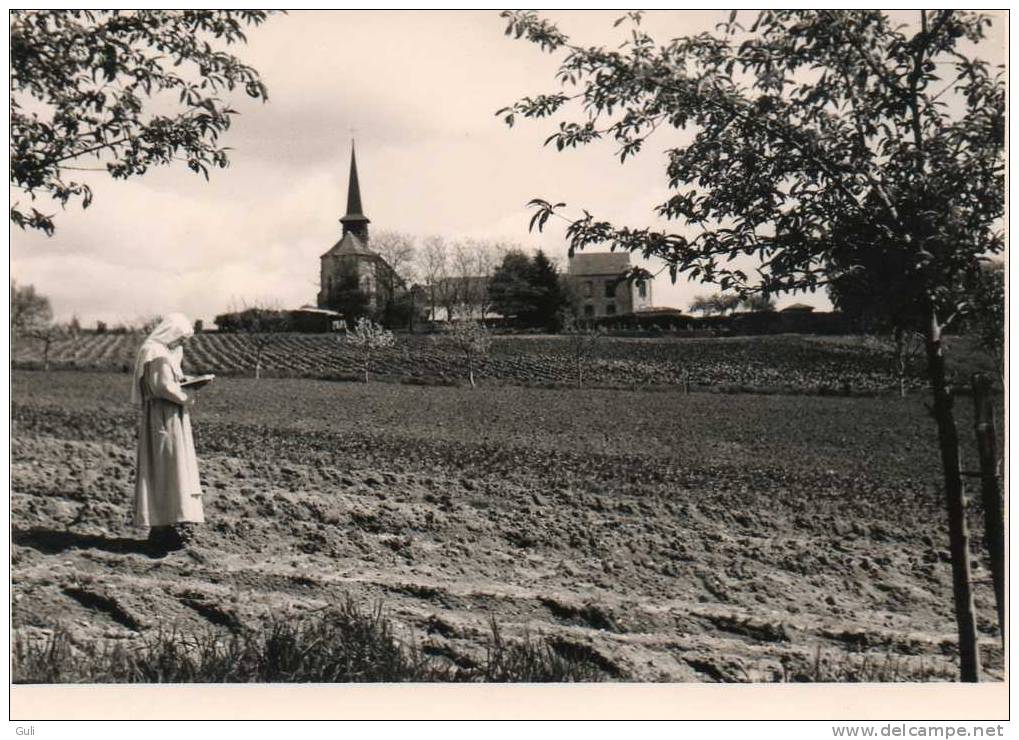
(465, 291)
(433, 268)
(262, 320)
(906, 347)
(399, 251)
(264, 329)
(582, 337)
(473, 262)
(487, 258)
(456, 274)
(49, 334)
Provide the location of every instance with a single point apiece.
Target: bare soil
(666, 537)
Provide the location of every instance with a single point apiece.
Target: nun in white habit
(168, 494)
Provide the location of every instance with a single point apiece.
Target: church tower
(355, 222)
(354, 279)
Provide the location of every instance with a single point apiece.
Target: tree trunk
(900, 359)
(580, 372)
(994, 511)
(258, 365)
(948, 439)
(470, 370)
(367, 359)
(46, 354)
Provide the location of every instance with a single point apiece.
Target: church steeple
(355, 222)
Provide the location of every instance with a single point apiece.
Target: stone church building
(351, 264)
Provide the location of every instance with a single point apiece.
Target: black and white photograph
(470, 347)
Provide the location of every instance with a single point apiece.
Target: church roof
(354, 209)
(351, 244)
(599, 263)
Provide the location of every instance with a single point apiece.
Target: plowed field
(672, 537)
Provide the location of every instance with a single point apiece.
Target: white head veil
(174, 326)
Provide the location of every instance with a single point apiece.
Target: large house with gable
(602, 287)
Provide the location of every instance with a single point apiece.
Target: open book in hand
(197, 381)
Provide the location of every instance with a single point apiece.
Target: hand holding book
(198, 381)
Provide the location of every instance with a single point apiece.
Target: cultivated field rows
(784, 362)
(664, 536)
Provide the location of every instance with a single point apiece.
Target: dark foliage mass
(528, 290)
(119, 92)
(260, 320)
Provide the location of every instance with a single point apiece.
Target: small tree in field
(472, 339)
(264, 326)
(47, 335)
(262, 322)
(581, 338)
(366, 337)
(817, 140)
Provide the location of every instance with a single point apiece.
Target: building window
(642, 289)
(589, 309)
(610, 289)
(588, 289)
(610, 309)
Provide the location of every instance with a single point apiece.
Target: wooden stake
(958, 533)
(994, 506)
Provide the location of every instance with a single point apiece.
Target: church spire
(355, 221)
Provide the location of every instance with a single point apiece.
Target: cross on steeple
(354, 222)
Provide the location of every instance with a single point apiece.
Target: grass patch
(341, 645)
(850, 667)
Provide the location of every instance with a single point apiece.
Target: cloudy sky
(419, 90)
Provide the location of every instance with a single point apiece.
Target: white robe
(167, 488)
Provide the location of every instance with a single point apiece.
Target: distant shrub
(255, 320)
